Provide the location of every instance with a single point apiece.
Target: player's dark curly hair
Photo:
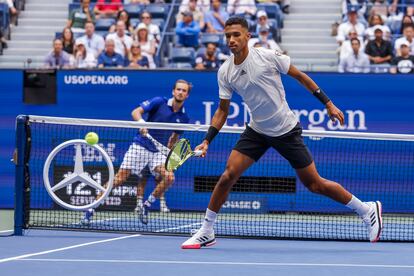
(237, 20)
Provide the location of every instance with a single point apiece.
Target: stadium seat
(73, 6)
(211, 38)
(103, 24)
(157, 11)
(159, 21)
(102, 33)
(182, 55)
(273, 12)
(134, 22)
(180, 65)
(134, 10)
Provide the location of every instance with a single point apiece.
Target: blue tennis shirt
(160, 110)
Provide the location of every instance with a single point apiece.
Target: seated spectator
(57, 58)
(122, 41)
(379, 50)
(187, 31)
(154, 30)
(355, 62)
(148, 45)
(241, 7)
(264, 40)
(210, 59)
(12, 10)
(78, 17)
(82, 58)
(409, 5)
(380, 7)
(198, 15)
(407, 38)
(136, 58)
(94, 43)
(405, 62)
(123, 16)
(107, 8)
(346, 47)
(352, 23)
(262, 21)
(109, 58)
(359, 5)
(68, 40)
(216, 17)
(406, 21)
(202, 5)
(375, 21)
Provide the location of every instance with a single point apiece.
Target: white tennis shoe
(200, 239)
(373, 220)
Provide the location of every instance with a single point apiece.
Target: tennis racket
(180, 153)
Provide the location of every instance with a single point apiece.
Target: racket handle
(198, 152)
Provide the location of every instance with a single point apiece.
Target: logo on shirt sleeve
(145, 103)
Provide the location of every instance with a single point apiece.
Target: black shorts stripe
(289, 145)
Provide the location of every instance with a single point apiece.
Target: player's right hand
(203, 147)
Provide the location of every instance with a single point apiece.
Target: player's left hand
(335, 113)
(143, 131)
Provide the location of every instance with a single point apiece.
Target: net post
(20, 172)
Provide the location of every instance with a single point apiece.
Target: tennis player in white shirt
(254, 73)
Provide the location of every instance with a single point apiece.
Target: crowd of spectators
(133, 39)
(376, 36)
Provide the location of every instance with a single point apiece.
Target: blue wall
(373, 103)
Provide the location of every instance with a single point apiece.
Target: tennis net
(268, 201)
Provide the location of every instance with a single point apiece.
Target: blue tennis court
(43, 252)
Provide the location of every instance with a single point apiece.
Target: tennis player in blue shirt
(143, 153)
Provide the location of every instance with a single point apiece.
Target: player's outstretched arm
(308, 83)
(219, 118)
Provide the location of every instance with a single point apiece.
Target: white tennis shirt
(257, 80)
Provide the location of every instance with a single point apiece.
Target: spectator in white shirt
(93, 42)
(352, 23)
(198, 15)
(82, 58)
(202, 5)
(264, 41)
(356, 62)
(154, 30)
(122, 41)
(346, 47)
(146, 44)
(407, 38)
(241, 7)
(375, 22)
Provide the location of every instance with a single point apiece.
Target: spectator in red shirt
(107, 8)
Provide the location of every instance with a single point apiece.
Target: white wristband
(141, 121)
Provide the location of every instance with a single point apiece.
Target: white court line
(7, 231)
(219, 263)
(65, 248)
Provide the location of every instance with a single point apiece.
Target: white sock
(140, 201)
(163, 201)
(358, 206)
(209, 220)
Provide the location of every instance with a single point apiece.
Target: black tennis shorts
(290, 145)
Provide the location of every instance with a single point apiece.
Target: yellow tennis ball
(91, 138)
